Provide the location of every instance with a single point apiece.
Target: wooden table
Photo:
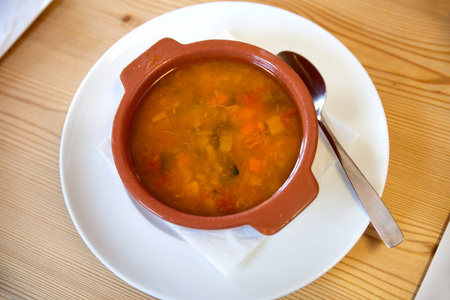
(405, 48)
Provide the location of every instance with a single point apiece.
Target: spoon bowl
(310, 76)
(377, 211)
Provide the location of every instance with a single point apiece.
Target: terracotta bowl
(269, 217)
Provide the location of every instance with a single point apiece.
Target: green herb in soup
(215, 137)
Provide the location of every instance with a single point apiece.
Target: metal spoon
(379, 215)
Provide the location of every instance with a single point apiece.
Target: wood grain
(405, 47)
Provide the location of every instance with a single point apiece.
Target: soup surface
(215, 137)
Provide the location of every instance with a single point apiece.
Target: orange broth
(215, 137)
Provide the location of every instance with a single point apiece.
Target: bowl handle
(157, 55)
(272, 217)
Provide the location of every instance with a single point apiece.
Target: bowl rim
(273, 214)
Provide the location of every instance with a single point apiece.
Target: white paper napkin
(15, 17)
(225, 249)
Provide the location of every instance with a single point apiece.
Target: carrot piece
(257, 165)
(247, 113)
(289, 112)
(248, 128)
(206, 194)
(260, 125)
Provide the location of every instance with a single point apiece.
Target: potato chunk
(275, 125)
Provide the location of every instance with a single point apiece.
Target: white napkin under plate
(15, 17)
(225, 249)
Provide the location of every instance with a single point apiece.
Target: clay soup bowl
(299, 190)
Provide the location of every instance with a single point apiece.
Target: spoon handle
(377, 211)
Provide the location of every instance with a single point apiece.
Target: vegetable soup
(215, 137)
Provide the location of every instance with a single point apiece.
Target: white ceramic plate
(140, 248)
